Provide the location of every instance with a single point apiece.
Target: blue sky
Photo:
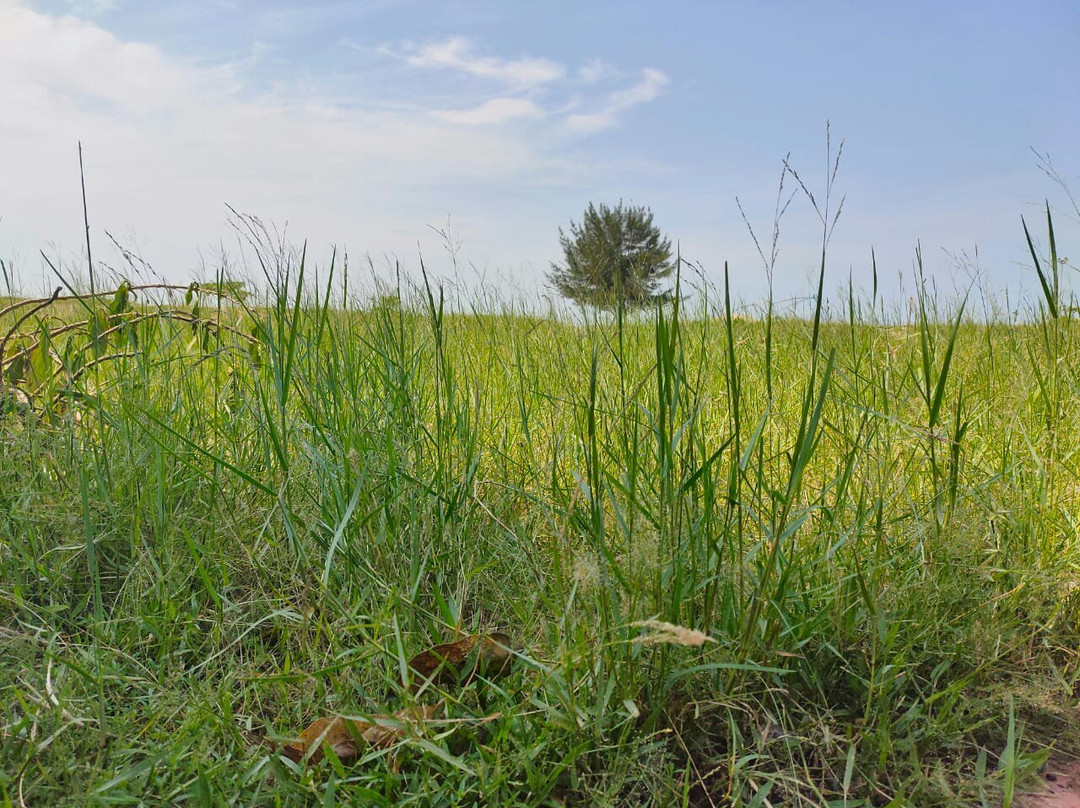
(370, 124)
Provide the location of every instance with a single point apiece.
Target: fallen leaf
(348, 737)
(452, 663)
(338, 733)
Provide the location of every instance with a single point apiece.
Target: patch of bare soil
(1061, 788)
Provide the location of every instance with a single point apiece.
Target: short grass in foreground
(873, 522)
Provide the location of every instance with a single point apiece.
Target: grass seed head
(662, 633)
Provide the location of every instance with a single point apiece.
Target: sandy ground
(1061, 788)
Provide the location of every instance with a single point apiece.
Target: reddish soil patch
(1061, 788)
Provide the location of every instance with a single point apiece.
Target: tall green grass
(254, 512)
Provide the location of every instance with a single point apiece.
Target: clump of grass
(743, 562)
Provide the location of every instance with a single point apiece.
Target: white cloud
(495, 111)
(596, 70)
(652, 82)
(167, 144)
(457, 53)
(93, 7)
(529, 74)
(68, 60)
(647, 89)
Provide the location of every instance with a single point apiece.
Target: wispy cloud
(595, 70)
(649, 87)
(168, 140)
(93, 7)
(529, 76)
(495, 111)
(458, 53)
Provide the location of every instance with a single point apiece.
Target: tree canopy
(616, 256)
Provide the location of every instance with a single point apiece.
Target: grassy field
(221, 521)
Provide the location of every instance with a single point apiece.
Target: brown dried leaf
(338, 733)
(453, 663)
(348, 737)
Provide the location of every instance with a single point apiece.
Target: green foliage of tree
(616, 256)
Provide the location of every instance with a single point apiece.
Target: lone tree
(615, 257)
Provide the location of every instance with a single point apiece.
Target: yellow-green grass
(221, 536)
